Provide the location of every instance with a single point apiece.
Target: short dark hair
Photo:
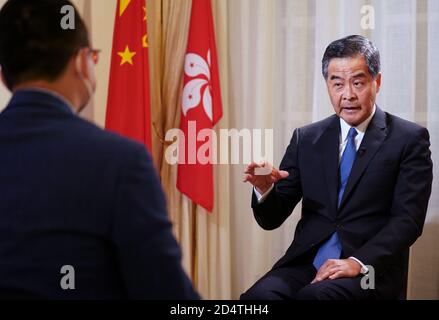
(33, 45)
(350, 47)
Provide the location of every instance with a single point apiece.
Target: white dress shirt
(361, 130)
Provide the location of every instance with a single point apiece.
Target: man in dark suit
(364, 177)
(82, 213)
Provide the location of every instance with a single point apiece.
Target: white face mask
(87, 83)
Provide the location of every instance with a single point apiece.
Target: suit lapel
(373, 138)
(329, 145)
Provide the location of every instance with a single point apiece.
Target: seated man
(82, 213)
(364, 177)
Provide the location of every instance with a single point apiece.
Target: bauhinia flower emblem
(200, 86)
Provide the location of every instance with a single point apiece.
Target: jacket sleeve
(148, 255)
(279, 204)
(409, 205)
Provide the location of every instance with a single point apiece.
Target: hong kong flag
(201, 108)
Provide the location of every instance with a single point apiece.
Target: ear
(378, 82)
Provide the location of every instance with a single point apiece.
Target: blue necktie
(331, 249)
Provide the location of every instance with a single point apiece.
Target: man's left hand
(338, 268)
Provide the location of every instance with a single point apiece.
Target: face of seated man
(352, 89)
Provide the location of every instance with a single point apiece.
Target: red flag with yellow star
(201, 107)
(128, 105)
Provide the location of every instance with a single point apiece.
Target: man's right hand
(263, 182)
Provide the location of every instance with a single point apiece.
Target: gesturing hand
(263, 175)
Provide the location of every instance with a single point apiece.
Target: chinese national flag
(201, 106)
(128, 107)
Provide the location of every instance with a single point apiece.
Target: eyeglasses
(94, 53)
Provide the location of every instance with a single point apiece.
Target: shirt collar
(361, 128)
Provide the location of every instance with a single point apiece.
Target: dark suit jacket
(385, 202)
(73, 194)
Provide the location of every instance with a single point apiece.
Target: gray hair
(350, 47)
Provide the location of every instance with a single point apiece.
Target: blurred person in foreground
(74, 198)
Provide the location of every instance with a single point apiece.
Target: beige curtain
(204, 237)
(167, 28)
